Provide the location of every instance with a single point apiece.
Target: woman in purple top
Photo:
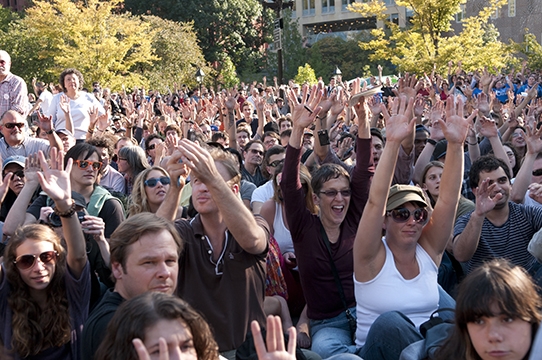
(341, 200)
(45, 288)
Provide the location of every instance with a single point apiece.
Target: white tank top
(282, 234)
(416, 298)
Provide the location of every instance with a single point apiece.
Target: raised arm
(235, 215)
(55, 181)
(369, 253)
(178, 172)
(46, 125)
(437, 232)
(17, 215)
(523, 179)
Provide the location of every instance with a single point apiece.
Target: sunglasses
(83, 164)
(18, 173)
(402, 215)
(12, 125)
(537, 172)
(25, 262)
(276, 163)
(333, 193)
(152, 182)
(152, 146)
(254, 151)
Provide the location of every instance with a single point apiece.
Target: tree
(176, 46)
(305, 74)
(238, 28)
(105, 45)
(427, 39)
(531, 49)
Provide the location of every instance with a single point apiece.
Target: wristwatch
(50, 132)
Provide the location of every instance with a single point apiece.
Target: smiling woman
(150, 188)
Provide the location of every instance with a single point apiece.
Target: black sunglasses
(276, 163)
(152, 146)
(537, 172)
(402, 215)
(152, 182)
(24, 262)
(12, 125)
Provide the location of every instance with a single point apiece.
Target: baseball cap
(402, 194)
(16, 159)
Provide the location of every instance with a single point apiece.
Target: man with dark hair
(144, 257)
(497, 227)
(273, 158)
(222, 267)
(251, 171)
(110, 178)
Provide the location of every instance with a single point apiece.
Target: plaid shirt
(13, 95)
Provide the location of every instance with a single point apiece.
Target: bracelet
(68, 213)
(91, 131)
(432, 142)
(471, 144)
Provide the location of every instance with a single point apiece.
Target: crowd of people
(196, 223)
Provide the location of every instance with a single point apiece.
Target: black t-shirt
(96, 324)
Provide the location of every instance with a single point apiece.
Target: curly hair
(34, 327)
(134, 317)
(69, 72)
(138, 200)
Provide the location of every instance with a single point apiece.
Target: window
(495, 15)
(511, 8)
(345, 3)
(394, 18)
(461, 14)
(389, 2)
(328, 6)
(308, 7)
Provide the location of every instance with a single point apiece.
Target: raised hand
(532, 138)
(486, 197)
(44, 122)
(487, 127)
(64, 103)
(275, 349)
(456, 126)
(54, 180)
(400, 123)
(304, 112)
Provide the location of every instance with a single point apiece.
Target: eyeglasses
(276, 163)
(402, 215)
(83, 164)
(537, 172)
(152, 182)
(12, 125)
(254, 151)
(25, 262)
(333, 193)
(518, 134)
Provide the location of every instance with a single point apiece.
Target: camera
(54, 219)
(323, 137)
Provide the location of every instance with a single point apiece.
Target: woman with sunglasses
(396, 277)
(155, 146)
(150, 189)
(44, 287)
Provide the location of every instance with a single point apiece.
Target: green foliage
(229, 76)
(426, 40)
(305, 74)
(236, 28)
(105, 45)
(176, 46)
(531, 49)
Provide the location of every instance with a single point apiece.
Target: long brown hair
(139, 202)
(494, 283)
(134, 317)
(34, 327)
